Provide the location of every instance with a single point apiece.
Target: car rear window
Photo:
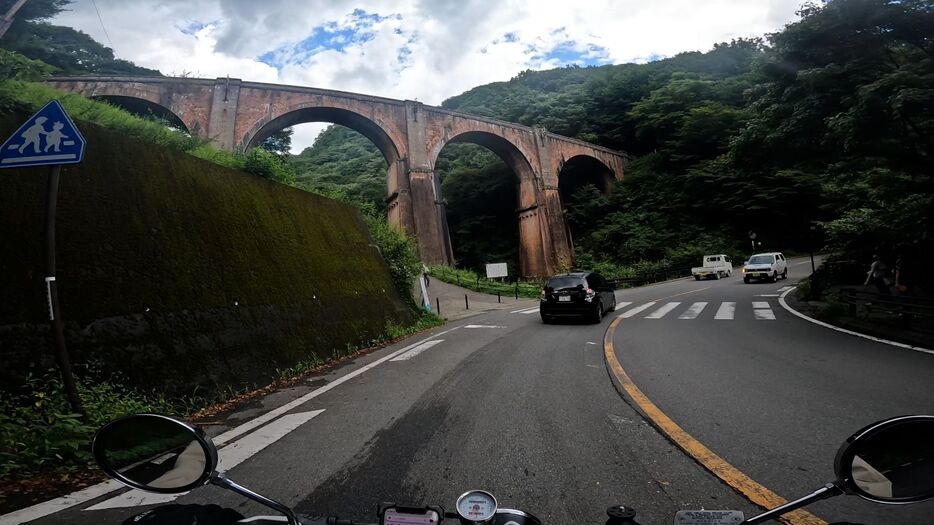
(559, 283)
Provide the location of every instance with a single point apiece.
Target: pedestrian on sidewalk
(878, 275)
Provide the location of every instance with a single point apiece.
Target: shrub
(38, 430)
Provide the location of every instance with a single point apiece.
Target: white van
(768, 266)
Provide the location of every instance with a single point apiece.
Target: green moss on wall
(155, 248)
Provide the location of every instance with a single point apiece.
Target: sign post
(35, 145)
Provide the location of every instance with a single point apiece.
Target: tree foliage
(68, 50)
(817, 135)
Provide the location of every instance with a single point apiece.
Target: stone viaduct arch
(237, 115)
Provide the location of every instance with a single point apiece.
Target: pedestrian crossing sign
(48, 137)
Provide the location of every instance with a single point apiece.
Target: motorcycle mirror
(891, 461)
(155, 453)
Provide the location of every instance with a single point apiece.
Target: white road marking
(726, 311)
(228, 458)
(483, 326)
(417, 350)
(629, 313)
(781, 301)
(40, 510)
(663, 311)
(95, 491)
(532, 311)
(620, 306)
(768, 295)
(785, 289)
(523, 310)
(694, 310)
(760, 304)
(764, 314)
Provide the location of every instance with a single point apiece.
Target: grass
(473, 281)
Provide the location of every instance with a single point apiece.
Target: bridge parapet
(237, 114)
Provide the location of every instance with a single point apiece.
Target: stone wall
(180, 273)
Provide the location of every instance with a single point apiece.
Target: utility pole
(7, 20)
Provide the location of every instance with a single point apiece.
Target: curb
(781, 301)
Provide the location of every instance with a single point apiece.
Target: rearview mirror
(155, 453)
(890, 462)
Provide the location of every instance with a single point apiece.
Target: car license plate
(564, 298)
(756, 274)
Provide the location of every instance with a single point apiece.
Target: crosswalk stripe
(760, 304)
(693, 311)
(620, 306)
(726, 311)
(629, 313)
(766, 314)
(663, 311)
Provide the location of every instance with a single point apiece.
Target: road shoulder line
(781, 301)
(737, 480)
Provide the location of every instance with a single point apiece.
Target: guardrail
(654, 276)
(906, 307)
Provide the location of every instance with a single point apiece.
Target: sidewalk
(452, 302)
(875, 323)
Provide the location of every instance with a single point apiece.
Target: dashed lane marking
(417, 350)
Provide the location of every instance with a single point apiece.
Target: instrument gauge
(476, 506)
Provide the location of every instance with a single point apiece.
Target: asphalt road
(528, 412)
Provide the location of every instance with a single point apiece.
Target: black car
(581, 294)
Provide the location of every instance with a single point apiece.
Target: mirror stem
(827, 491)
(221, 481)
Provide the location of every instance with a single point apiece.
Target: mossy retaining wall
(180, 273)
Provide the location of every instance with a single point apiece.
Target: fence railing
(906, 307)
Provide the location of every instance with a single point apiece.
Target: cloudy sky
(426, 50)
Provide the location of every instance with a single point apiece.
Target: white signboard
(496, 270)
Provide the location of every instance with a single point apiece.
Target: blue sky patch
(334, 35)
(570, 53)
(191, 27)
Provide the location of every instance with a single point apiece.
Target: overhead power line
(101, 20)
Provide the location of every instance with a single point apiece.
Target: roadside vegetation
(816, 137)
(39, 434)
(479, 283)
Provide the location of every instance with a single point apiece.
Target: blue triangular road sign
(48, 137)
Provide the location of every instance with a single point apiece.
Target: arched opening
(146, 109)
(343, 117)
(351, 159)
(583, 184)
(486, 185)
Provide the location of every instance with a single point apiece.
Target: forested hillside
(69, 51)
(818, 135)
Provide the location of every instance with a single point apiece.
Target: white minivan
(768, 266)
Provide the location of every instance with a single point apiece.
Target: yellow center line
(730, 475)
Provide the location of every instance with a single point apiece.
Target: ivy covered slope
(818, 135)
(178, 272)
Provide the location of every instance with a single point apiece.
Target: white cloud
(427, 50)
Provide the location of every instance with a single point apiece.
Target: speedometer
(476, 506)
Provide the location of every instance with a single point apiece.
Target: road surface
(528, 411)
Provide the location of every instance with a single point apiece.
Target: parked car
(715, 266)
(765, 266)
(581, 294)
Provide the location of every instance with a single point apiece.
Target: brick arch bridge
(237, 115)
